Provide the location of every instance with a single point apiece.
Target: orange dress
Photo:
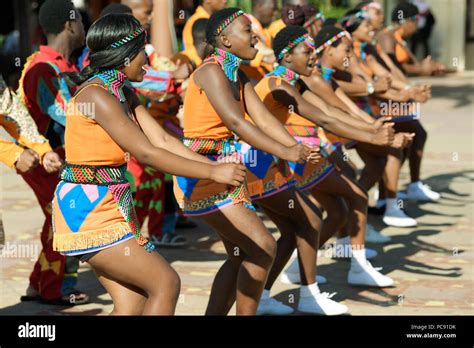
(307, 175)
(205, 133)
(93, 204)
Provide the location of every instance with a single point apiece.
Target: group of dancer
(267, 118)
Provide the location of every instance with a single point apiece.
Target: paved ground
(431, 264)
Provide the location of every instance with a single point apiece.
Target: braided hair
(104, 32)
(217, 20)
(325, 34)
(285, 36)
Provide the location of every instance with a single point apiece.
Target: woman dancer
(288, 98)
(93, 212)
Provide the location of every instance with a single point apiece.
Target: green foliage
(325, 5)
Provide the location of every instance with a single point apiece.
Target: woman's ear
(287, 57)
(68, 26)
(225, 41)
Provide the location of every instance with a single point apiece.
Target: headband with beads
(228, 21)
(332, 40)
(313, 19)
(362, 14)
(306, 38)
(128, 38)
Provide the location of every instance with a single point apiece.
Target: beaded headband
(128, 38)
(362, 14)
(228, 21)
(403, 20)
(313, 19)
(332, 40)
(306, 38)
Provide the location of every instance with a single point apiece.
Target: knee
(167, 284)
(264, 249)
(359, 199)
(339, 214)
(421, 135)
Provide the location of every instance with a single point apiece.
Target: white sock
(343, 240)
(416, 183)
(265, 294)
(358, 258)
(309, 290)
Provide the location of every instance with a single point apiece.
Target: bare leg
(127, 299)
(129, 264)
(417, 146)
(299, 222)
(242, 227)
(337, 184)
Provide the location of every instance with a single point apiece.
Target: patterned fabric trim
(302, 131)
(114, 178)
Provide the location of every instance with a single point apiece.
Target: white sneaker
(374, 236)
(321, 303)
(368, 276)
(295, 278)
(418, 191)
(343, 250)
(394, 216)
(270, 306)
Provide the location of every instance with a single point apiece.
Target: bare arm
(112, 118)
(289, 95)
(337, 113)
(264, 120)
(161, 36)
(321, 88)
(215, 84)
(160, 138)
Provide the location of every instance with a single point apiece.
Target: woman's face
(240, 40)
(339, 57)
(302, 59)
(410, 27)
(134, 69)
(364, 32)
(376, 18)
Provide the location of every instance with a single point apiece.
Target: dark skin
(131, 280)
(426, 67)
(380, 161)
(264, 11)
(212, 6)
(65, 42)
(243, 277)
(336, 186)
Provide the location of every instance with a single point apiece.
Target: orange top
(200, 118)
(401, 52)
(275, 27)
(188, 33)
(86, 142)
(282, 112)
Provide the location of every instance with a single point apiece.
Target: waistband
(208, 146)
(96, 175)
(302, 131)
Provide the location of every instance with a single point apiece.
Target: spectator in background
(426, 23)
(46, 95)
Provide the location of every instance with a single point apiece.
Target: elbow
(145, 156)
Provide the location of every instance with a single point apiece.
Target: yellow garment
(16, 120)
(188, 34)
(275, 27)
